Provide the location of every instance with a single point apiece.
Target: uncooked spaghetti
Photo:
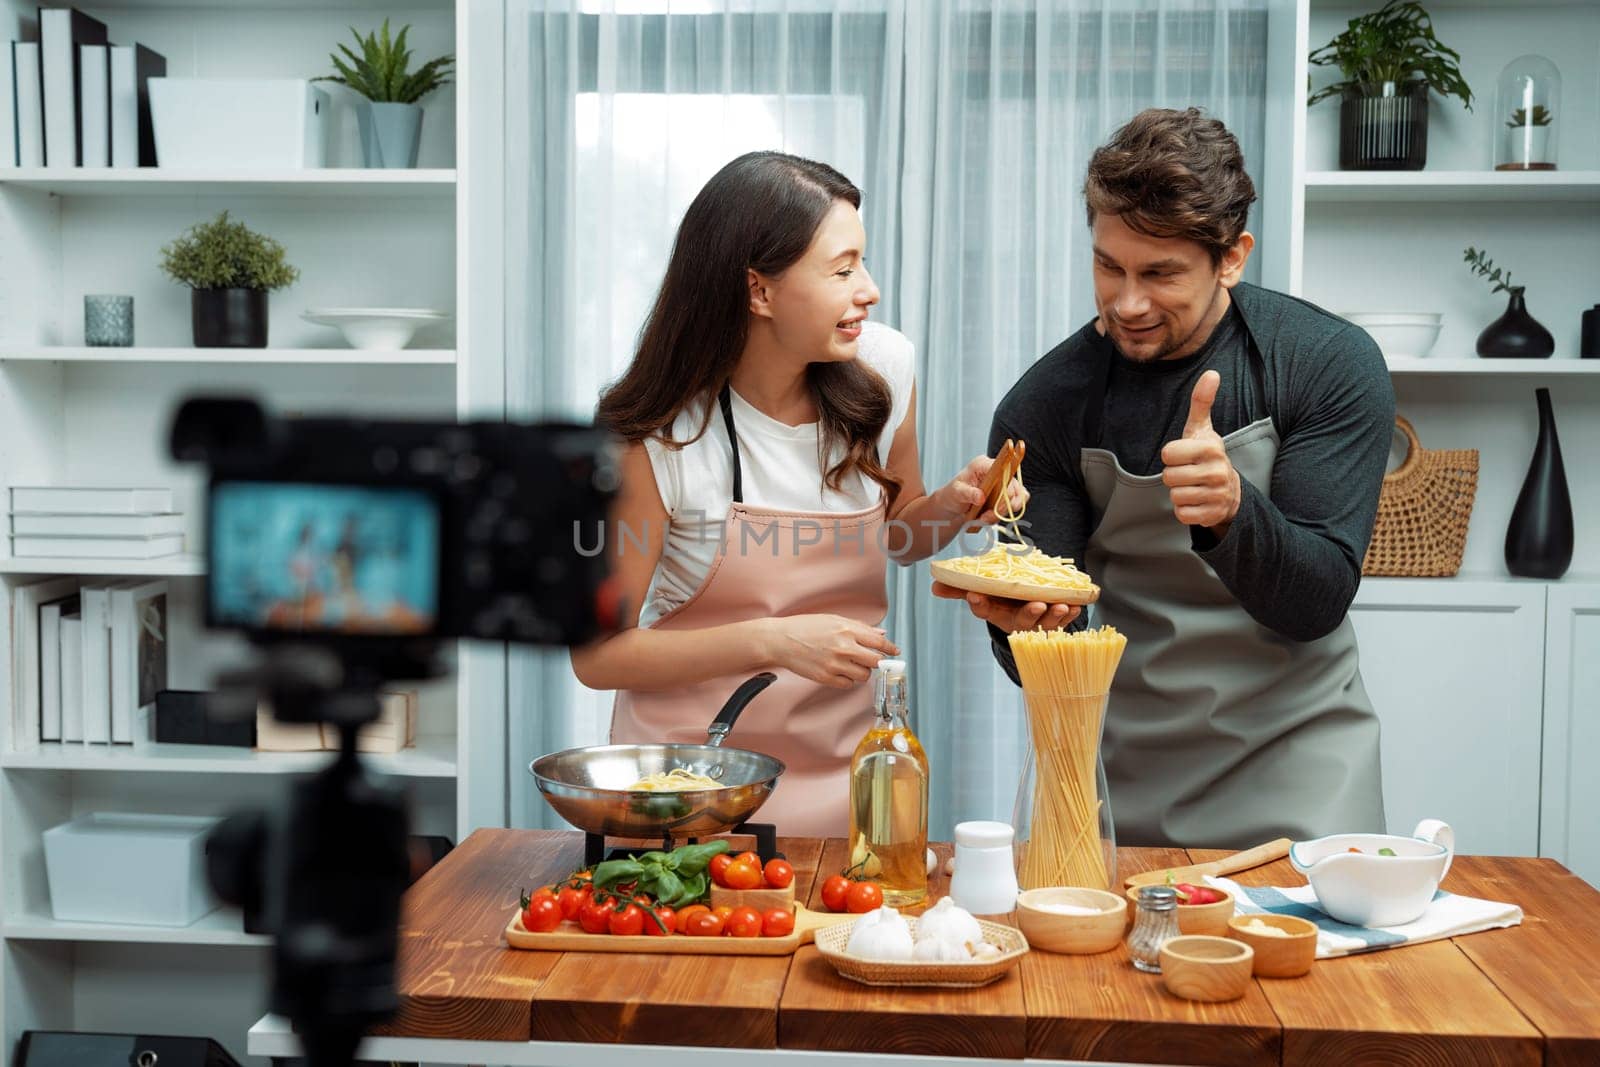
(1015, 563)
(677, 780)
(1065, 679)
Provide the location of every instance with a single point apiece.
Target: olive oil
(889, 796)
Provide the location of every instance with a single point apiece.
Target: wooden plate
(1010, 589)
(957, 975)
(570, 937)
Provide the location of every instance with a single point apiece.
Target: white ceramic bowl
(1366, 888)
(1400, 334)
(375, 328)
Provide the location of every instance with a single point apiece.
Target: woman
(771, 471)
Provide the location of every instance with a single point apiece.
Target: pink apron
(777, 563)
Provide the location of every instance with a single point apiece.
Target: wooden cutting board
(1010, 589)
(1194, 872)
(569, 937)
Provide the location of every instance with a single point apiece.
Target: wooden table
(1525, 995)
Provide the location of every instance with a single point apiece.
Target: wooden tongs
(994, 483)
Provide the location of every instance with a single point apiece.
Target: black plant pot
(1385, 130)
(229, 318)
(1539, 537)
(1516, 334)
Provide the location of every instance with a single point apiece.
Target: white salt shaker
(985, 879)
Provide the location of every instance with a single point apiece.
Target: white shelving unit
(71, 414)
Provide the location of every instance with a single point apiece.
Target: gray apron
(1219, 732)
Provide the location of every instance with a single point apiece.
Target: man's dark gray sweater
(1292, 555)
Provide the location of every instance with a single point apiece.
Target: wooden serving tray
(1009, 589)
(569, 937)
(762, 900)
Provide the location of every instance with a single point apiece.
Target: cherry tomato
(594, 917)
(744, 922)
(685, 914)
(834, 892)
(778, 873)
(668, 923)
(742, 875)
(779, 922)
(628, 922)
(1196, 894)
(542, 914)
(749, 857)
(864, 896)
(702, 924)
(719, 863)
(572, 900)
(723, 911)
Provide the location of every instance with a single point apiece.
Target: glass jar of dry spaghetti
(1065, 833)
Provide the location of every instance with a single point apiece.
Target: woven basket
(831, 941)
(1423, 512)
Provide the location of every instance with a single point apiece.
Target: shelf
(302, 356)
(221, 927)
(178, 566)
(156, 181)
(1576, 368)
(1459, 186)
(433, 757)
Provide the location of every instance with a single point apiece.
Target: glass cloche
(1527, 111)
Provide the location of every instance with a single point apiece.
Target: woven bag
(1423, 512)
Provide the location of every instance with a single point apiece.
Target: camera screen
(308, 558)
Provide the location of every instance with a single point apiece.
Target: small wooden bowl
(1278, 957)
(1200, 967)
(1211, 919)
(1077, 935)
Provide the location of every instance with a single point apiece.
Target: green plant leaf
(1396, 44)
(223, 254)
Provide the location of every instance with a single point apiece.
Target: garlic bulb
(880, 935)
(947, 923)
(939, 950)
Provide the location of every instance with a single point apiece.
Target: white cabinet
(1569, 828)
(1456, 673)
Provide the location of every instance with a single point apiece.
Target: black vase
(1539, 538)
(229, 318)
(1589, 335)
(1516, 334)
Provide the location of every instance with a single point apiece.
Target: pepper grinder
(1153, 924)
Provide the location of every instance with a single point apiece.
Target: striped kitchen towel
(1446, 916)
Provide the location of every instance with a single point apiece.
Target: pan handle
(717, 732)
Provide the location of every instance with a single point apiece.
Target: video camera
(349, 550)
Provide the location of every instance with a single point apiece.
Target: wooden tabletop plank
(1102, 1008)
(1545, 966)
(725, 1001)
(454, 975)
(1422, 1004)
(822, 1010)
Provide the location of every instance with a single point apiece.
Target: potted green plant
(229, 269)
(388, 114)
(1390, 59)
(1516, 333)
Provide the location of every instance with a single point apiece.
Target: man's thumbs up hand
(1198, 474)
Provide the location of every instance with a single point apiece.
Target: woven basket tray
(1423, 511)
(1012, 945)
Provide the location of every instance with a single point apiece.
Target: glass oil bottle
(889, 796)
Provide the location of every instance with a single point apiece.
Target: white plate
(375, 328)
(370, 313)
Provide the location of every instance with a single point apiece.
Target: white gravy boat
(1368, 889)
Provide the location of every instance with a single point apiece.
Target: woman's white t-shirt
(779, 467)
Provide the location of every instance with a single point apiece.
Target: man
(1212, 452)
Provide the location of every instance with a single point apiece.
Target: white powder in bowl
(1256, 926)
(1063, 908)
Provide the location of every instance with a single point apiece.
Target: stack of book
(88, 523)
(90, 658)
(74, 99)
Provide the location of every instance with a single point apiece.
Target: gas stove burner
(765, 833)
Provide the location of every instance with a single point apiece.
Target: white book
(8, 106)
(94, 95)
(30, 651)
(71, 677)
(89, 500)
(97, 525)
(139, 656)
(61, 31)
(50, 672)
(30, 104)
(97, 547)
(124, 94)
(96, 693)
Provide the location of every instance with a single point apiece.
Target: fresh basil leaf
(612, 872)
(668, 887)
(693, 859)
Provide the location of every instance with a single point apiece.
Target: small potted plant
(1516, 333)
(388, 114)
(1390, 59)
(229, 269)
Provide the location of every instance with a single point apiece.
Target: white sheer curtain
(967, 124)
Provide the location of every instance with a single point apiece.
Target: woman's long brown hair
(760, 212)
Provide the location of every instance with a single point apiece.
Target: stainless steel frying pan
(589, 786)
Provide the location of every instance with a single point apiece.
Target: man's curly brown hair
(1173, 174)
